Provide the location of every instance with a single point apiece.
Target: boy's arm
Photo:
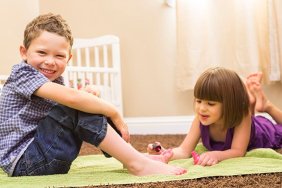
(76, 99)
(82, 101)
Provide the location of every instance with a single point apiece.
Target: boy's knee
(91, 128)
(65, 116)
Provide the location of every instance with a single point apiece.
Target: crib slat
(78, 53)
(66, 77)
(112, 93)
(88, 76)
(87, 57)
(70, 63)
(117, 87)
(106, 64)
(97, 64)
(74, 74)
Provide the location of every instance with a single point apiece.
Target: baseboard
(164, 124)
(159, 125)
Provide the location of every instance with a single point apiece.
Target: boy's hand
(92, 89)
(121, 130)
(124, 133)
(119, 125)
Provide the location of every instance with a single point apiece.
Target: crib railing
(97, 61)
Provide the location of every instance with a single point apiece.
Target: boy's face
(49, 53)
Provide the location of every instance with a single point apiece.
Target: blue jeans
(58, 139)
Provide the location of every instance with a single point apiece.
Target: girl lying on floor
(225, 121)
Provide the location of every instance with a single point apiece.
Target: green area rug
(98, 170)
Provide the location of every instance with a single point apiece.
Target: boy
(43, 122)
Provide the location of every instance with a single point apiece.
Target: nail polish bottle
(195, 156)
(157, 147)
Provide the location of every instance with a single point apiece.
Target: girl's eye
(198, 101)
(211, 103)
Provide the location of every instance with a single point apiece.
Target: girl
(224, 119)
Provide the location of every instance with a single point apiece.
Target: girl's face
(209, 112)
(49, 53)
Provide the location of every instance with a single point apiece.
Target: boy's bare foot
(151, 167)
(135, 162)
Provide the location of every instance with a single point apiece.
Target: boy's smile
(49, 53)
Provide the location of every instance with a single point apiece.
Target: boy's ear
(23, 52)
(70, 57)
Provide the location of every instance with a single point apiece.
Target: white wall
(14, 16)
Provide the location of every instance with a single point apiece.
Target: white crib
(95, 61)
(3, 78)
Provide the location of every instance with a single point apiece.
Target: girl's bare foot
(261, 100)
(252, 98)
(255, 76)
(253, 82)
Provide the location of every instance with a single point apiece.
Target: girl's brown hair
(47, 22)
(225, 86)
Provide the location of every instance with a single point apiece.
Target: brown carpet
(273, 180)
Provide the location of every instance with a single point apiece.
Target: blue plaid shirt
(20, 112)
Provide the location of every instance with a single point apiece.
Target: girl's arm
(189, 143)
(238, 148)
(82, 101)
(241, 138)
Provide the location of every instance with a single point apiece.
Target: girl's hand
(92, 89)
(164, 157)
(167, 155)
(155, 148)
(208, 159)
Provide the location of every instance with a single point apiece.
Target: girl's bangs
(208, 89)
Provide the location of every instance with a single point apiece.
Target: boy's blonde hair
(225, 86)
(47, 22)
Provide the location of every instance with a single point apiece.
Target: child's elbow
(241, 153)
